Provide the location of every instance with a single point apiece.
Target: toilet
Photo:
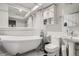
(53, 50)
(53, 47)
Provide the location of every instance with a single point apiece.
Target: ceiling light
(20, 10)
(39, 4)
(35, 8)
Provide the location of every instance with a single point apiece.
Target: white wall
(3, 15)
(30, 22)
(70, 8)
(20, 23)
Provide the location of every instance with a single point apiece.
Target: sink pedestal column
(71, 49)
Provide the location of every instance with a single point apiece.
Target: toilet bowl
(51, 48)
(54, 46)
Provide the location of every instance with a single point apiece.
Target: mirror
(48, 15)
(13, 22)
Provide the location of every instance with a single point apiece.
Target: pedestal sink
(71, 42)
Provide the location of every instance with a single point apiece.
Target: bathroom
(39, 29)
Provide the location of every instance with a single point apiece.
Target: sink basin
(67, 37)
(75, 38)
(70, 38)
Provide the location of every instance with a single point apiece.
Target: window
(49, 15)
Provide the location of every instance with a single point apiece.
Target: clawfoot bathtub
(20, 44)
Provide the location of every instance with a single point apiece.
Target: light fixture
(35, 8)
(20, 10)
(39, 4)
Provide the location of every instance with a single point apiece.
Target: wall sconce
(65, 24)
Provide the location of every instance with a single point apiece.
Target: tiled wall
(55, 37)
(54, 28)
(19, 31)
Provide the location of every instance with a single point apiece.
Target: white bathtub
(20, 44)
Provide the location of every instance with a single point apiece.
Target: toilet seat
(51, 48)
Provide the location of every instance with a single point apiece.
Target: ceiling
(70, 8)
(21, 9)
